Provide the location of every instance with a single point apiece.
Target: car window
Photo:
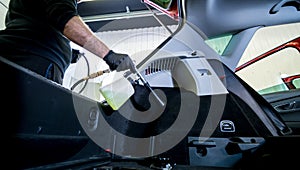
(219, 44)
(3, 10)
(272, 59)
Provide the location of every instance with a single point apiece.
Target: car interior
(217, 88)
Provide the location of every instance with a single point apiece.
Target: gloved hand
(119, 62)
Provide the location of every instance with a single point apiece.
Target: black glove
(119, 62)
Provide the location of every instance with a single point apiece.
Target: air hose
(91, 76)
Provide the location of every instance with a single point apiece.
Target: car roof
(218, 17)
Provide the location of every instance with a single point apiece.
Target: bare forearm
(78, 32)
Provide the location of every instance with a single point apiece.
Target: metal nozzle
(146, 84)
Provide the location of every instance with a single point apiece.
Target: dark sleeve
(59, 12)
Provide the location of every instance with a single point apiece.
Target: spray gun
(113, 97)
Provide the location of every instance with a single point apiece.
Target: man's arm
(78, 32)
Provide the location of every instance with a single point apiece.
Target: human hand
(119, 62)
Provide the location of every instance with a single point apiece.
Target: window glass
(272, 59)
(163, 3)
(219, 44)
(296, 82)
(3, 10)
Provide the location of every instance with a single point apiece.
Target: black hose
(81, 80)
